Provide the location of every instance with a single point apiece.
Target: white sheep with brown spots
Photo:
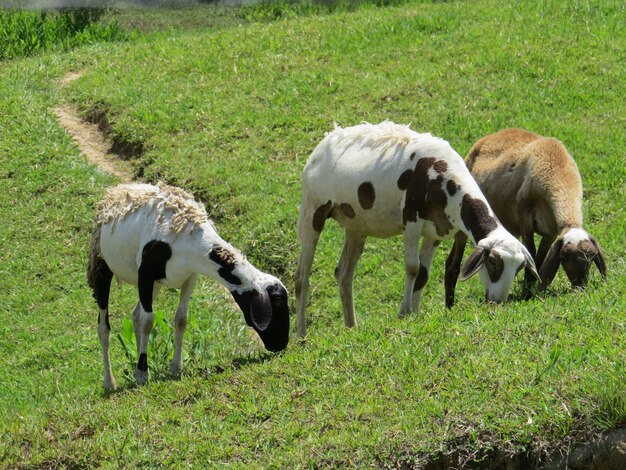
(384, 180)
(153, 236)
(533, 186)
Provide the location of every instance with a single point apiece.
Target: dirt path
(90, 140)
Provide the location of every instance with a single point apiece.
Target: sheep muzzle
(266, 310)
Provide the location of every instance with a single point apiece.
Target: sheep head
(265, 308)
(574, 250)
(498, 258)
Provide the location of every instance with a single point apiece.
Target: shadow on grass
(522, 294)
(235, 364)
(161, 375)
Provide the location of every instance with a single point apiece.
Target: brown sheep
(533, 186)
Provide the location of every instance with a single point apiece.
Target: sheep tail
(95, 264)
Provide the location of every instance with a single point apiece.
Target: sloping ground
(92, 143)
(603, 452)
(475, 387)
(90, 137)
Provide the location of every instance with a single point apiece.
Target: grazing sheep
(385, 180)
(153, 236)
(533, 186)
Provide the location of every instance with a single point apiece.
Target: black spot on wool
(101, 283)
(226, 260)
(154, 258)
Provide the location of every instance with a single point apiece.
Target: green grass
(231, 113)
(26, 32)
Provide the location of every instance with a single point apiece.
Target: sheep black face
(266, 310)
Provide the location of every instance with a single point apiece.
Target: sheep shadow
(521, 294)
(217, 368)
(127, 384)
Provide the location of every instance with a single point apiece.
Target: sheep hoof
(403, 313)
(175, 370)
(141, 376)
(109, 384)
(527, 294)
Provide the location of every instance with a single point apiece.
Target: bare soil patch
(70, 77)
(90, 139)
(92, 143)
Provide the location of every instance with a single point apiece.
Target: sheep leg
(453, 266)
(529, 278)
(301, 280)
(412, 233)
(180, 323)
(137, 325)
(310, 225)
(102, 290)
(137, 316)
(427, 252)
(147, 290)
(544, 247)
(352, 250)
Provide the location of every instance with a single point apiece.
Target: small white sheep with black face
(153, 236)
(384, 180)
(533, 185)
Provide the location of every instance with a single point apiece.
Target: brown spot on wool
(440, 166)
(452, 187)
(320, 216)
(425, 197)
(366, 195)
(347, 210)
(476, 218)
(495, 266)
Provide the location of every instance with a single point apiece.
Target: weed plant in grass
(232, 115)
(24, 33)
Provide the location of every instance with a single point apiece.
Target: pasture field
(231, 114)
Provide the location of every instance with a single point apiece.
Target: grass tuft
(26, 32)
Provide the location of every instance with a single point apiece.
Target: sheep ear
(551, 264)
(256, 308)
(473, 263)
(261, 309)
(599, 259)
(530, 263)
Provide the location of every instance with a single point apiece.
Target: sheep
(153, 236)
(533, 186)
(384, 180)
